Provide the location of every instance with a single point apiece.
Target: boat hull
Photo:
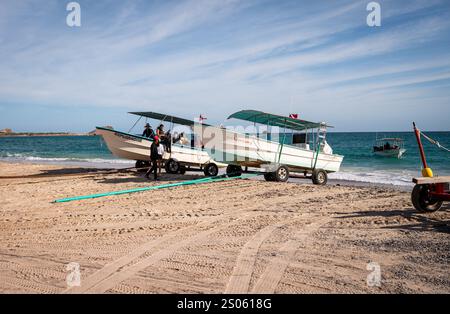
(393, 153)
(236, 148)
(133, 147)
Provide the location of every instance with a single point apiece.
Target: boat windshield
(388, 144)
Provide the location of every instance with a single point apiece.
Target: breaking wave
(21, 157)
(393, 177)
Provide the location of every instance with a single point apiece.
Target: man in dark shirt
(148, 131)
(154, 159)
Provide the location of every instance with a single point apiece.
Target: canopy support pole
(129, 131)
(282, 143)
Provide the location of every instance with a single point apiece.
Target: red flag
(293, 115)
(201, 118)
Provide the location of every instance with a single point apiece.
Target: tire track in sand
(268, 281)
(117, 265)
(131, 270)
(240, 278)
(122, 268)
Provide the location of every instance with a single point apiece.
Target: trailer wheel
(211, 170)
(234, 171)
(172, 166)
(282, 174)
(319, 177)
(422, 201)
(141, 164)
(269, 176)
(182, 169)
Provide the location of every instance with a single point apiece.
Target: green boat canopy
(166, 117)
(275, 120)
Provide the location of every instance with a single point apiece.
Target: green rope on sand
(155, 187)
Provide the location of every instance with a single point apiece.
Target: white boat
(307, 153)
(389, 147)
(180, 158)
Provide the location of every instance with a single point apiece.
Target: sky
(319, 59)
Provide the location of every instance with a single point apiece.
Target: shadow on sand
(66, 172)
(140, 178)
(423, 222)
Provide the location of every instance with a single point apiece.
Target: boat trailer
(430, 192)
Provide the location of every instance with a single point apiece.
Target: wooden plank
(443, 179)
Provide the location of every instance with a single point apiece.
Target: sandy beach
(241, 236)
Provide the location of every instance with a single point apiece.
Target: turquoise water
(359, 163)
(90, 149)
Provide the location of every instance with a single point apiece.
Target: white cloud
(197, 55)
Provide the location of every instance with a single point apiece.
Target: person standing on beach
(148, 131)
(154, 159)
(160, 156)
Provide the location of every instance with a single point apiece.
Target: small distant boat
(389, 147)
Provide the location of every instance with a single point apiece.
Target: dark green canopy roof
(274, 120)
(165, 117)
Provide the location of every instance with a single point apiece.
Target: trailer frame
(429, 192)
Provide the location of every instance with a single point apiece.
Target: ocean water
(359, 163)
(58, 149)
